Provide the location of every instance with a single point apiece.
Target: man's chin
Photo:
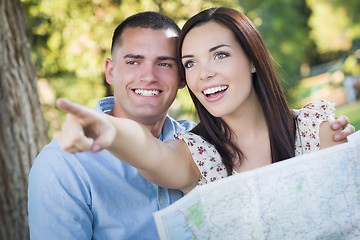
(149, 116)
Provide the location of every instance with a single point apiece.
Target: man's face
(144, 74)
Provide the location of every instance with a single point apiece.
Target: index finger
(76, 109)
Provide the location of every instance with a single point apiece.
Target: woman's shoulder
(309, 119)
(322, 110)
(197, 144)
(206, 157)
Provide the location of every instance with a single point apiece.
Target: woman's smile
(215, 93)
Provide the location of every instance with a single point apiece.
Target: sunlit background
(316, 44)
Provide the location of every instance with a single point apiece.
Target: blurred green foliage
(352, 111)
(70, 41)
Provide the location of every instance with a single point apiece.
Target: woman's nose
(206, 71)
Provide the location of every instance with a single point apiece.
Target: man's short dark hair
(147, 19)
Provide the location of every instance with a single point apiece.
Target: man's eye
(189, 64)
(221, 55)
(165, 64)
(132, 62)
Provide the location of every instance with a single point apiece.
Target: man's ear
(182, 83)
(109, 67)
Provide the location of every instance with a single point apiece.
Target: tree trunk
(22, 127)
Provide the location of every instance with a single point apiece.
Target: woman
(245, 122)
(240, 57)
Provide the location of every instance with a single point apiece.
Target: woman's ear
(253, 69)
(109, 67)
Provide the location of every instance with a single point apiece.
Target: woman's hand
(342, 127)
(84, 129)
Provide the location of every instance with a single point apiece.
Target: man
(96, 196)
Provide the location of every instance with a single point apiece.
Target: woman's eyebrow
(187, 56)
(210, 50)
(218, 46)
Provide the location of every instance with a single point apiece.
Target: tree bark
(22, 127)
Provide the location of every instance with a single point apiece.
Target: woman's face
(217, 70)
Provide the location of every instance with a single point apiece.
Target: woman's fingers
(73, 108)
(84, 129)
(72, 137)
(343, 127)
(340, 122)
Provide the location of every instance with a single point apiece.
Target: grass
(352, 111)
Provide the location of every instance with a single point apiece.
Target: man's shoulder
(51, 158)
(54, 160)
(51, 148)
(181, 125)
(105, 104)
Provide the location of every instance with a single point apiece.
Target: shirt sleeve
(58, 197)
(206, 158)
(309, 119)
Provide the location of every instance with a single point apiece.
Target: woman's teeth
(214, 90)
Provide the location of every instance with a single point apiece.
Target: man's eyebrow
(134, 56)
(162, 58)
(210, 50)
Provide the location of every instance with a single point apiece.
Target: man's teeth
(147, 92)
(215, 89)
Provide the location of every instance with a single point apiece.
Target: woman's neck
(251, 136)
(248, 121)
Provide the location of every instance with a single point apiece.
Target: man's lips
(147, 92)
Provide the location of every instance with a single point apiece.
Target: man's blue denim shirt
(95, 196)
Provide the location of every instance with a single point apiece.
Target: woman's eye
(189, 64)
(221, 55)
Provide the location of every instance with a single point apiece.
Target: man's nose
(148, 72)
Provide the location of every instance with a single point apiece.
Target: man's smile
(147, 92)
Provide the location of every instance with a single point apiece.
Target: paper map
(313, 196)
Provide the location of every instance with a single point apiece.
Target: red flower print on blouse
(201, 150)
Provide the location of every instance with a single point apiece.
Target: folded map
(313, 196)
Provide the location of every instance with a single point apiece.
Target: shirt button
(161, 201)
